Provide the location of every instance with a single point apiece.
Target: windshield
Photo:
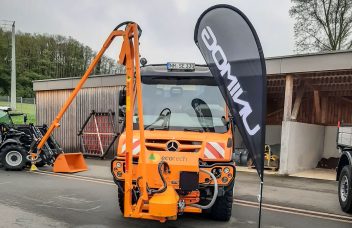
(5, 118)
(182, 103)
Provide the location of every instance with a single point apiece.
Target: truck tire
(222, 208)
(13, 157)
(345, 189)
(121, 195)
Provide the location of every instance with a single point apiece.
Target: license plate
(180, 66)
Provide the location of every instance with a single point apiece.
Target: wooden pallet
(273, 166)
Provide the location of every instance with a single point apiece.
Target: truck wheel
(120, 192)
(222, 208)
(345, 189)
(121, 195)
(13, 157)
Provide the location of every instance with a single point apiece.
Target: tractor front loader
(16, 140)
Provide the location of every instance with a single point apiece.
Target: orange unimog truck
(189, 141)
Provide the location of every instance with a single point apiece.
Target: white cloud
(182, 5)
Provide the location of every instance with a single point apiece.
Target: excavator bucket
(70, 163)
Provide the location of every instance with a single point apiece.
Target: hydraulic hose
(162, 189)
(126, 23)
(215, 195)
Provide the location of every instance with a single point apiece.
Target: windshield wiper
(156, 128)
(165, 117)
(195, 130)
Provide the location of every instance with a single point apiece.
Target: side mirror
(122, 97)
(25, 118)
(122, 111)
(143, 61)
(226, 122)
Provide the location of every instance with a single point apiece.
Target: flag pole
(260, 198)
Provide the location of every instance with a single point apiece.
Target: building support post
(298, 101)
(288, 98)
(285, 130)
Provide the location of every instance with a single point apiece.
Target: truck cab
(344, 167)
(187, 125)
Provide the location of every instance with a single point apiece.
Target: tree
(322, 25)
(5, 62)
(44, 57)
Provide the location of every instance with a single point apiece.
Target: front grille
(183, 145)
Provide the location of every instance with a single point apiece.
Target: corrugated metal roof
(93, 81)
(318, 62)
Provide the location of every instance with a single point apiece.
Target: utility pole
(13, 69)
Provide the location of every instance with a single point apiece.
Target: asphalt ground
(44, 199)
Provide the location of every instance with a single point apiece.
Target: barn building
(307, 95)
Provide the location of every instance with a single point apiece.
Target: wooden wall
(327, 97)
(333, 109)
(49, 103)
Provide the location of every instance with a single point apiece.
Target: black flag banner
(232, 51)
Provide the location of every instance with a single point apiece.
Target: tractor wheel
(40, 163)
(222, 208)
(345, 189)
(13, 157)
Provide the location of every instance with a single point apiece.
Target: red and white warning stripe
(214, 150)
(136, 147)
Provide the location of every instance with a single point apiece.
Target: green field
(29, 109)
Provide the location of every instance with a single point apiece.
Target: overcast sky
(168, 25)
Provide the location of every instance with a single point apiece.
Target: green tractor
(16, 140)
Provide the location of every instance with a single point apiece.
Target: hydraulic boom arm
(129, 56)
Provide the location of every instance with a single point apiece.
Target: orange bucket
(70, 163)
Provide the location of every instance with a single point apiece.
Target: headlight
(224, 179)
(217, 172)
(118, 165)
(226, 170)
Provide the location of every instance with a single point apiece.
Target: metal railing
(21, 102)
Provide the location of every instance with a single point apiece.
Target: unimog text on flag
(234, 86)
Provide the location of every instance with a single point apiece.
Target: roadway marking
(75, 177)
(296, 211)
(293, 209)
(269, 207)
(69, 208)
(73, 199)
